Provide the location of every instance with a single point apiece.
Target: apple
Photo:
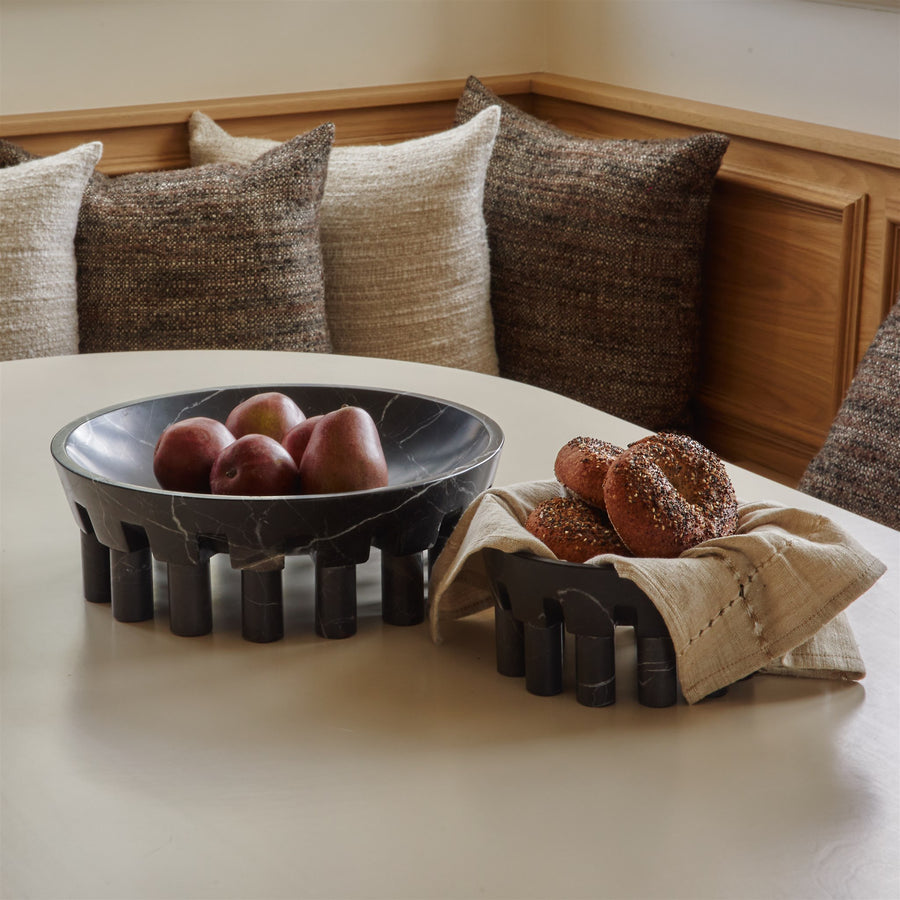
(254, 465)
(344, 453)
(185, 452)
(297, 439)
(270, 413)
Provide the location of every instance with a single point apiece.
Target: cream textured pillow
(404, 242)
(40, 201)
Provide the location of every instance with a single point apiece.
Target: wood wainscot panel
(138, 148)
(891, 278)
(784, 278)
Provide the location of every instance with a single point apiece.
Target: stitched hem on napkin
(766, 598)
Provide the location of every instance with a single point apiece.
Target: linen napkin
(769, 597)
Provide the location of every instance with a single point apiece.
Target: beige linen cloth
(769, 597)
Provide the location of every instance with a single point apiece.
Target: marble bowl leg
(190, 599)
(402, 588)
(262, 607)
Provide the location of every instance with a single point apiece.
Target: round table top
(136, 763)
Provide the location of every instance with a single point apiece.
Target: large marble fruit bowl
(440, 455)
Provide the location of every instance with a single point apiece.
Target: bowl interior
(424, 438)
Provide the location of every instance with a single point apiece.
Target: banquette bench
(801, 261)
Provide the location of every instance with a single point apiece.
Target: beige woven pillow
(39, 204)
(404, 242)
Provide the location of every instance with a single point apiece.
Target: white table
(136, 763)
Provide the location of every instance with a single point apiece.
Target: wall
(819, 62)
(71, 54)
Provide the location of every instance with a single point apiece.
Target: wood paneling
(891, 292)
(803, 256)
(781, 316)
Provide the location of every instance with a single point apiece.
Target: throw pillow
(596, 253)
(407, 272)
(858, 468)
(216, 257)
(40, 200)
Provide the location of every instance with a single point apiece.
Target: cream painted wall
(74, 54)
(818, 62)
(833, 64)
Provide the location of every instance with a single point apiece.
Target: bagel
(581, 466)
(667, 493)
(573, 530)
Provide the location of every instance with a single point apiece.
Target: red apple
(297, 439)
(185, 453)
(254, 465)
(270, 413)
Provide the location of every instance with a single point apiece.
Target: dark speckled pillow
(213, 257)
(858, 468)
(596, 257)
(12, 154)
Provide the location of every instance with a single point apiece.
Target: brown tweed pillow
(12, 154)
(596, 253)
(858, 468)
(220, 256)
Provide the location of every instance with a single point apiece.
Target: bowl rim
(59, 443)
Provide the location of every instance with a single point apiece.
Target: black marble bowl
(440, 455)
(537, 599)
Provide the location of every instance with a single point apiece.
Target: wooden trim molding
(262, 106)
(154, 136)
(664, 108)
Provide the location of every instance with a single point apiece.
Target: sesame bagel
(574, 531)
(581, 466)
(667, 493)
